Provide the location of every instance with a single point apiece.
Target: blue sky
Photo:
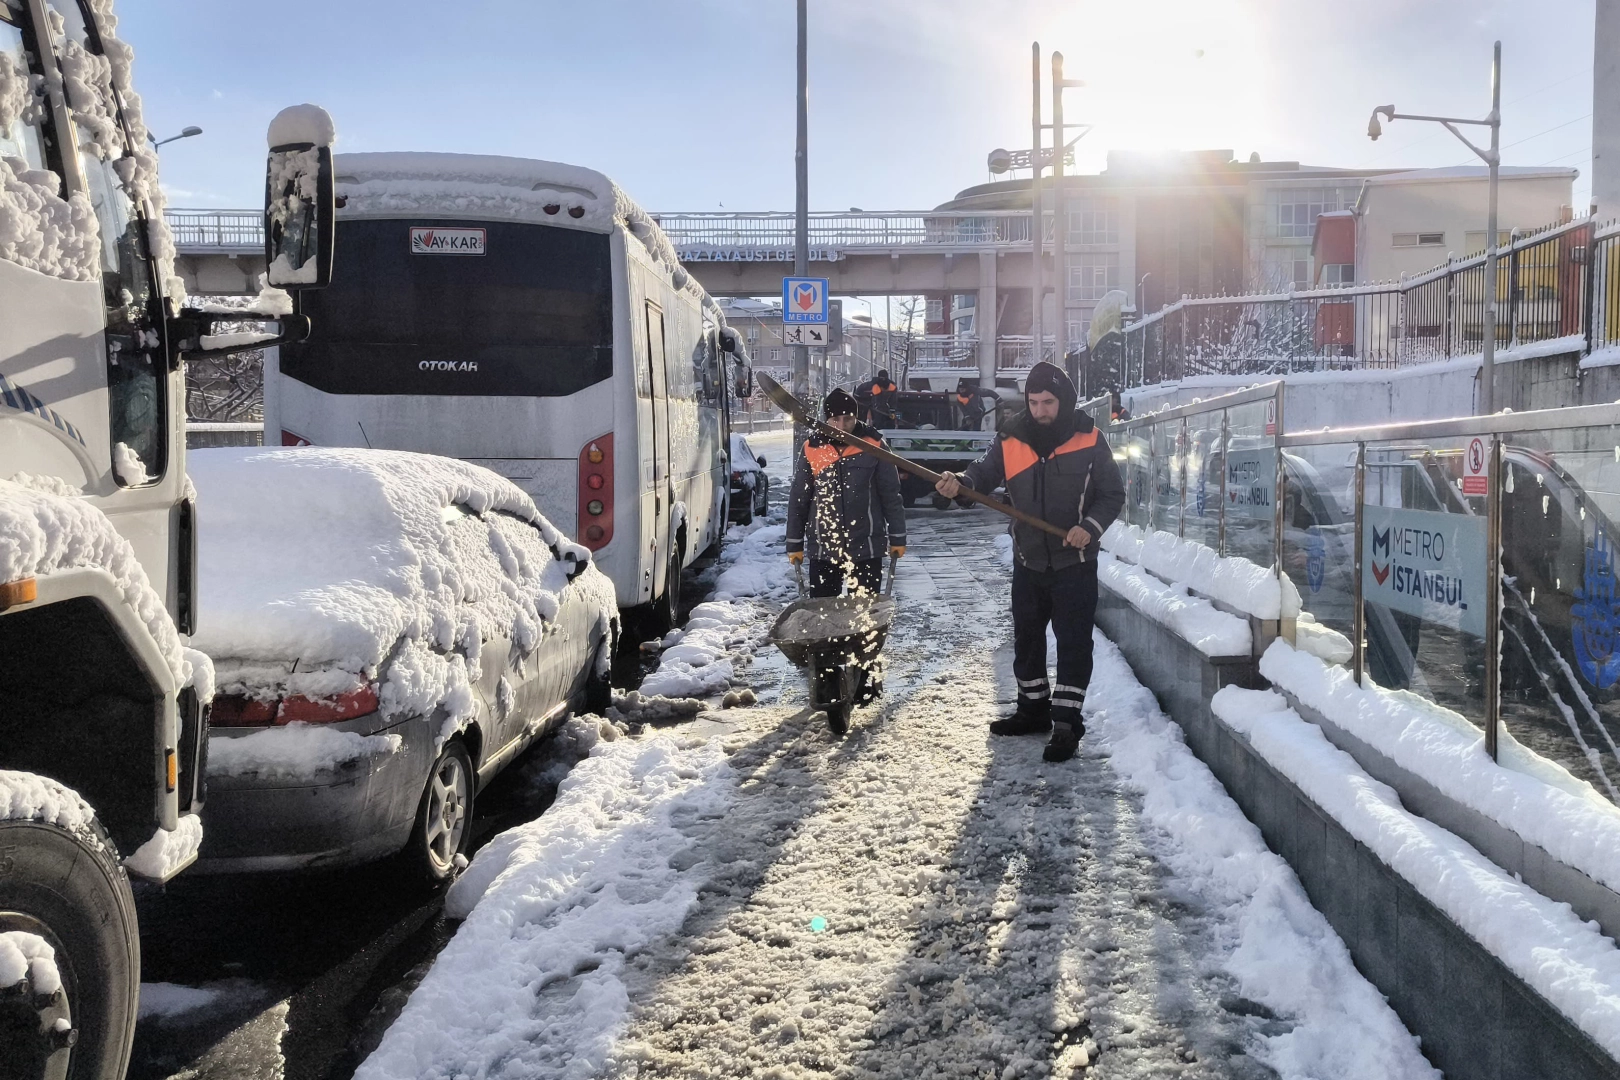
(689, 105)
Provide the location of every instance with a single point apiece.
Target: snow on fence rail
(1557, 283)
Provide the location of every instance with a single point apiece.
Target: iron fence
(217, 230)
(1558, 286)
(855, 229)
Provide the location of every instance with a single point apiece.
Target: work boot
(1065, 741)
(1026, 720)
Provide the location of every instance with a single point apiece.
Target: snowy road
(913, 900)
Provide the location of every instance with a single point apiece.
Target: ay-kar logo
(1595, 617)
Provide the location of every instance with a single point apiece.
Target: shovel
(802, 415)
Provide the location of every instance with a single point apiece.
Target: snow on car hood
(318, 564)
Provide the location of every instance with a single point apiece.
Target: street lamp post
(801, 200)
(1493, 161)
(871, 339)
(185, 133)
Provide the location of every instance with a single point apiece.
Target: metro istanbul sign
(804, 300)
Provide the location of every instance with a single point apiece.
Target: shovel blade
(781, 398)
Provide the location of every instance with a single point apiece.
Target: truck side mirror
(299, 203)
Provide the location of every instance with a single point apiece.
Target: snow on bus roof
(485, 186)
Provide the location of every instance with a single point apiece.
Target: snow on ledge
(1566, 960)
(169, 851)
(1211, 632)
(1521, 791)
(1246, 586)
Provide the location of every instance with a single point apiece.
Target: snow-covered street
(915, 899)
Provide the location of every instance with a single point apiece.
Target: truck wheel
(667, 608)
(599, 683)
(68, 888)
(443, 818)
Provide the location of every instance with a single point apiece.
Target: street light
(1140, 296)
(1493, 160)
(185, 133)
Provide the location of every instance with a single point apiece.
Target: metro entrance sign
(804, 300)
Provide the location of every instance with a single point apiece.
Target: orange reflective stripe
(1016, 456)
(820, 457)
(1077, 442)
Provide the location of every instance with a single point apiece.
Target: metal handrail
(1215, 404)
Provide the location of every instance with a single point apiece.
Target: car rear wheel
(67, 889)
(445, 813)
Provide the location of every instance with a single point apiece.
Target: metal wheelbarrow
(838, 640)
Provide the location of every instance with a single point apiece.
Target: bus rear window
(459, 308)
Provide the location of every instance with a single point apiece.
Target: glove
(897, 550)
(795, 557)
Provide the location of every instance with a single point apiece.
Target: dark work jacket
(878, 399)
(1078, 483)
(844, 503)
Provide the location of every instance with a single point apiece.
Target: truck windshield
(459, 308)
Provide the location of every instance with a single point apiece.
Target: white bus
(529, 317)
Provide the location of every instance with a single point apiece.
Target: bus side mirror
(299, 203)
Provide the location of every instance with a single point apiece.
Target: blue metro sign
(804, 300)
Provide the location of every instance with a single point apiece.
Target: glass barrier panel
(1249, 481)
(1132, 450)
(1560, 493)
(1423, 574)
(1167, 476)
(1201, 515)
(1319, 544)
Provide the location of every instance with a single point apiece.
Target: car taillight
(596, 493)
(234, 710)
(301, 709)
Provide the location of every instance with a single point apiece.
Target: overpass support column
(984, 319)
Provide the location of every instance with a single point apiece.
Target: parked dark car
(750, 487)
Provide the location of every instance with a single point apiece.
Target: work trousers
(1066, 599)
(864, 576)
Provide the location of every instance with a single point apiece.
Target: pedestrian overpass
(861, 253)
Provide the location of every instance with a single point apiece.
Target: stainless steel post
(1181, 467)
(1220, 543)
(1358, 616)
(801, 202)
(1493, 598)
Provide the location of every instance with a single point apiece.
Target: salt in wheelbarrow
(837, 639)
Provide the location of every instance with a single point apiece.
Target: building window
(1302, 273)
(1094, 221)
(1093, 275)
(1298, 209)
(1474, 239)
(776, 355)
(1339, 274)
(936, 310)
(1078, 329)
(1426, 239)
(753, 334)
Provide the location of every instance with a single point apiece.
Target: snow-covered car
(390, 629)
(750, 487)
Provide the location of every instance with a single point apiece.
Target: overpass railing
(228, 231)
(1556, 290)
(854, 229)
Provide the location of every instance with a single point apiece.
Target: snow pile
(1322, 641)
(1231, 580)
(1211, 632)
(165, 1001)
(40, 230)
(531, 983)
(42, 533)
(1522, 791)
(28, 956)
(1004, 549)
(296, 751)
(375, 565)
(128, 466)
(169, 851)
(755, 564)
(1566, 960)
(1279, 948)
(638, 708)
(298, 124)
(475, 186)
(30, 797)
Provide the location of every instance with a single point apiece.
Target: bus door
(655, 517)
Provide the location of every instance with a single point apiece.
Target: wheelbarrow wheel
(838, 717)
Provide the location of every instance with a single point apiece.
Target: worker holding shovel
(1057, 468)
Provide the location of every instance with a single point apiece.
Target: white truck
(102, 708)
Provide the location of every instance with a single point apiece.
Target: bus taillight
(596, 493)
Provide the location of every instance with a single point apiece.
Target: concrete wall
(1476, 1019)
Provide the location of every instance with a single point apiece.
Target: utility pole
(801, 202)
(1493, 160)
(1037, 225)
(1060, 283)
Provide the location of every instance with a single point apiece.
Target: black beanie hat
(883, 375)
(839, 403)
(1049, 378)
(965, 386)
